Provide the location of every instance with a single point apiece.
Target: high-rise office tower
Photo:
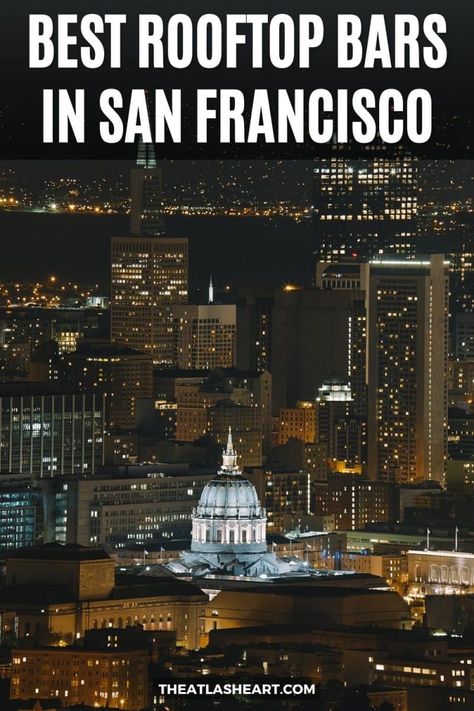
(364, 207)
(407, 341)
(121, 373)
(463, 336)
(398, 342)
(204, 336)
(149, 277)
(337, 426)
(48, 430)
(254, 328)
(149, 269)
(347, 277)
(310, 340)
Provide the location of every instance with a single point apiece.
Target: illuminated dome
(229, 531)
(228, 498)
(229, 515)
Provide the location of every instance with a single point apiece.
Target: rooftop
(323, 591)
(136, 586)
(418, 635)
(126, 587)
(321, 580)
(101, 349)
(24, 388)
(199, 373)
(448, 554)
(343, 268)
(75, 649)
(56, 551)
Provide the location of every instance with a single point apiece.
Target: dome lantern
(229, 457)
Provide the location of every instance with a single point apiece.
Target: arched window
(120, 622)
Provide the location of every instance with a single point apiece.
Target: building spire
(211, 291)
(229, 457)
(146, 157)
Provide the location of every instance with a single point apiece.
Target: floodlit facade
(229, 530)
(440, 572)
(54, 594)
(297, 423)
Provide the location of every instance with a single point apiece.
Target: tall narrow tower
(407, 360)
(149, 277)
(146, 187)
(149, 269)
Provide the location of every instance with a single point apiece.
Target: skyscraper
(149, 269)
(365, 207)
(149, 277)
(49, 430)
(398, 342)
(146, 188)
(310, 340)
(338, 428)
(205, 336)
(121, 373)
(407, 365)
(254, 329)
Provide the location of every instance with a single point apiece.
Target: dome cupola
(229, 516)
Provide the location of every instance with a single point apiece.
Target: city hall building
(54, 594)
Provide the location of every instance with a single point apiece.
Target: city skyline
(244, 445)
